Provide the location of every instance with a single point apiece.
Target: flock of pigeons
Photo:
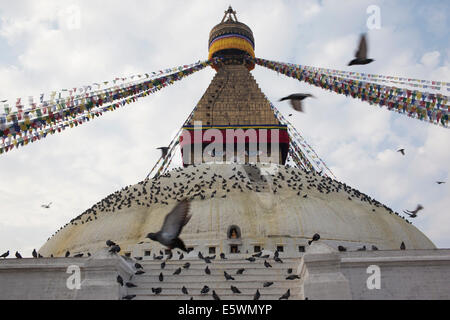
(208, 260)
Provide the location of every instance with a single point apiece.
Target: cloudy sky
(50, 45)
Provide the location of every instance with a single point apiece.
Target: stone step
(219, 290)
(162, 296)
(203, 278)
(281, 273)
(216, 284)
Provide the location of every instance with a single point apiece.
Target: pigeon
(251, 259)
(278, 260)
(440, 182)
(361, 53)
(158, 257)
(316, 237)
(34, 253)
(130, 285)
(266, 264)
(296, 100)
(227, 276)
(286, 295)
(374, 248)
(181, 257)
(402, 246)
(207, 271)
(138, 266)
(129, 297)
(78, 255)
(164, 151)
(289, 271)
(163, 265)
(139, 272)
(257, 255)
(5, 255)
(362, 249)
(46, 206)
(240, 271)
(184, 290)
(204, 290)
(215, 296)
(138, 258)
(157, 290)
(161, 277)
(276, 254)
(402, 151)
(18, 256)
(178, 271)
(200, 256)
(265, 256)
(413, 214)
(120, 280)
(235, 290)
(267, 284)
(110, 243)
(222, 256)
(257, 295)
(174, 222)
(67, 254)
(186, 265)
(342, 249)
(290, 115)
(207, 260)
(114, 249)
(292, 277)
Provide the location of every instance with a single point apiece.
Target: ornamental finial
(230, 12)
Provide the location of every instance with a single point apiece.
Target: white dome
(267, 213)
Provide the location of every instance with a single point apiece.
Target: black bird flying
(173, 224)
(361, 53)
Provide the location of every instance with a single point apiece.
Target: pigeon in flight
(413, 214)
(296, 100)
(440, 182)
(316, 237)
(164, 151)
(361, 53)
(174, 222)
(286, 295)
(5, 255)
(402, 151)
(46, 206)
